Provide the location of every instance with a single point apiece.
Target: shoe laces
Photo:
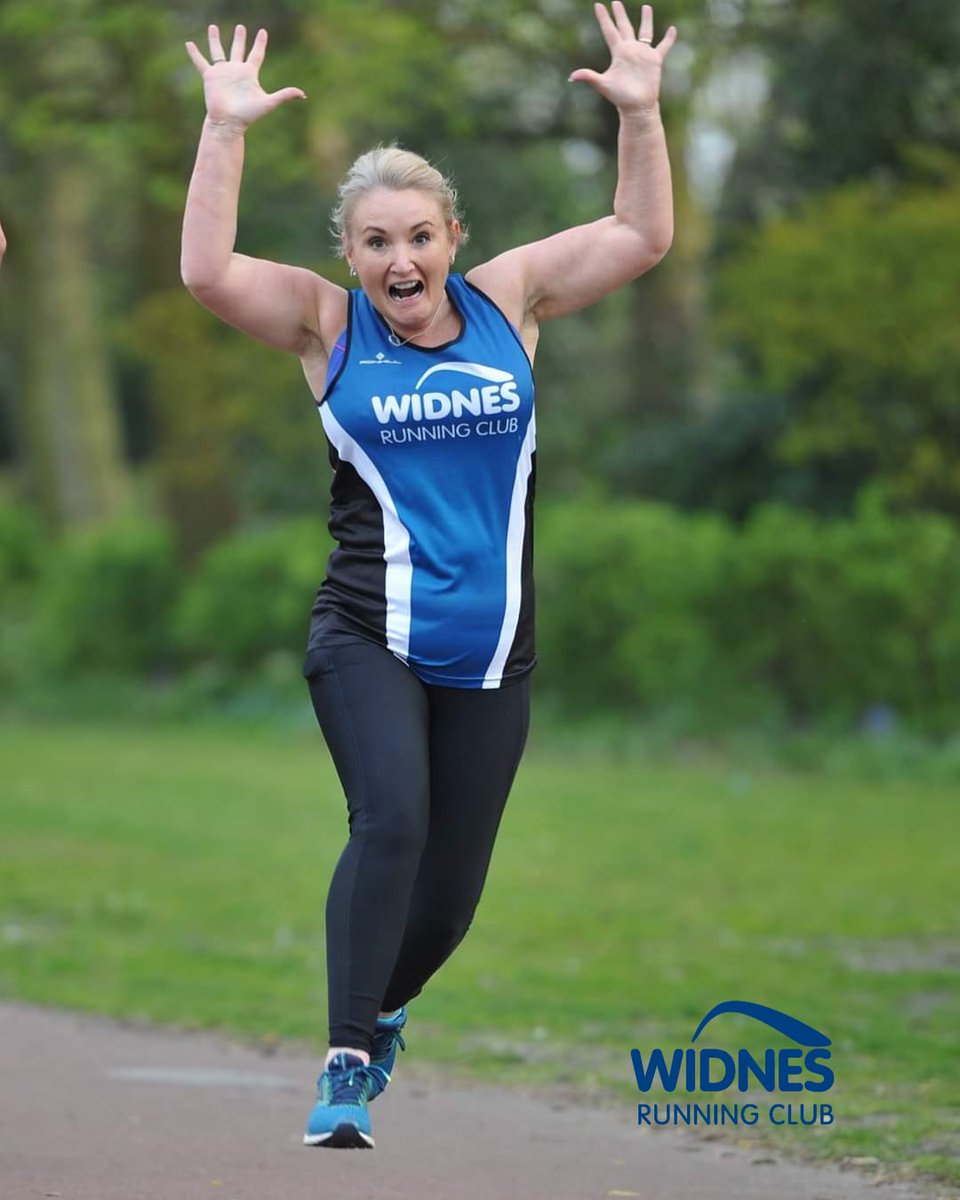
(347, 1080)
(386, 1034)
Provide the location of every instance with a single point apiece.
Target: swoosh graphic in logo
(805, 1034)
(493, 374)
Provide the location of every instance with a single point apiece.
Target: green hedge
(791, 616)
(251, 595)
(841, 616)
(23, 547)
(641, 608)
(105, 600)
(623, 596)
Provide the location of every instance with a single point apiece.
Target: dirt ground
(92, 1109)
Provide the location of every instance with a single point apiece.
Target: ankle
(335, 1050)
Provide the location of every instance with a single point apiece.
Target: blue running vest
(434, 461)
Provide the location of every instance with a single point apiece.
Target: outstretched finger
(666, 42)
(622, 21)
(197, 58)
(646, 24)
(258, 49)
(216, 48)
(239, 47)
(610, 34)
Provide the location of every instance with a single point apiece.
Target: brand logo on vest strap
(381, 360)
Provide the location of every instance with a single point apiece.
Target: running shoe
(339, 1118)
(387, 1036)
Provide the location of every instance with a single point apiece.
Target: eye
(375, 242)
(422, 238)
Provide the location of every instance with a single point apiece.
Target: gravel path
(91, 1109)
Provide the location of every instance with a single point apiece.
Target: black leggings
(426, 771)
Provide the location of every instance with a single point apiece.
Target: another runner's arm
(579, 266)
(281, 305)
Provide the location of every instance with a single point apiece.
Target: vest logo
(380, 360)
(710, 1069)
(499, 395)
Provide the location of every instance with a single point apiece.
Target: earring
(353, 270)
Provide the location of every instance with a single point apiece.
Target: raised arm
(579, 266)
(281, 305)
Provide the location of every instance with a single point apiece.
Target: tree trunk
(76, 464)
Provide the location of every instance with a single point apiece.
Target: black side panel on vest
(356, 571)
(521, 658)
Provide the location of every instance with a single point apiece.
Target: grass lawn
(179, 875)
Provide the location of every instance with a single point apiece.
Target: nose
(402, 262)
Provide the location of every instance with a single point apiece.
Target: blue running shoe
(339, 1118)
(387, 1036)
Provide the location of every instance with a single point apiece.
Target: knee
(446, 932)
(396, 834)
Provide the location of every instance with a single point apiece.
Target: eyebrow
(377, 229)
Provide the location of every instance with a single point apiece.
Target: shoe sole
(344, 1137)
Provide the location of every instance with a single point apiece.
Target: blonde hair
(396, 169)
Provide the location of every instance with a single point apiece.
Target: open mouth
(405, 291)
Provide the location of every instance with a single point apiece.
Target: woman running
(421, 637)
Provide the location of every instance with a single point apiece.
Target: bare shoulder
(503, 281)
(289, 308)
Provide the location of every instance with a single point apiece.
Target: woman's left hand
(632, 81)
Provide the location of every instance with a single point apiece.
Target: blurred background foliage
(749, 468)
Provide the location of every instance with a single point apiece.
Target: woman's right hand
(231, 86)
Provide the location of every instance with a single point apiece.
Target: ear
(455, 230)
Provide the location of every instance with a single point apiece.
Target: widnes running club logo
(497, 396)
(802, 1068)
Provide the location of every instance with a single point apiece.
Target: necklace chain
(395, 341)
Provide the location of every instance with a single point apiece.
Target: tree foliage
(856, 87)
(805, 398)
(835, 292)
(480, 88)
(842, 310)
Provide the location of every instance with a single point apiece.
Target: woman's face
(401, 248)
